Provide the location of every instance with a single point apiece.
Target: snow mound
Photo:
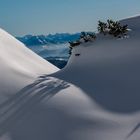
(108, 69)
(19, 65)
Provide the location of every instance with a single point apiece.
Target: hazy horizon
(21, 17)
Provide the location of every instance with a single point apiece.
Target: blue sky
(20, 17)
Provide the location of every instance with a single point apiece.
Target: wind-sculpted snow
(27, 100)
(95, 97)
(46, 109)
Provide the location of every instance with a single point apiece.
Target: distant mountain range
(58, 38)
(53, 48)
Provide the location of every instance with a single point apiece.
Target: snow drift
(108, 69)
(96, 96)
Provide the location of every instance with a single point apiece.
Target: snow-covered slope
(108, 72)
(108, 69)
(95, 97)
(18, 65)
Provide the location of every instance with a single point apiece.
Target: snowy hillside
(108, 73)
(95, 97)
(18, 65)
(108, 69)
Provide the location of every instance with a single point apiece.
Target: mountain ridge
(58, 38)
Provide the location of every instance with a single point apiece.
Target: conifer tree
(102, 27)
